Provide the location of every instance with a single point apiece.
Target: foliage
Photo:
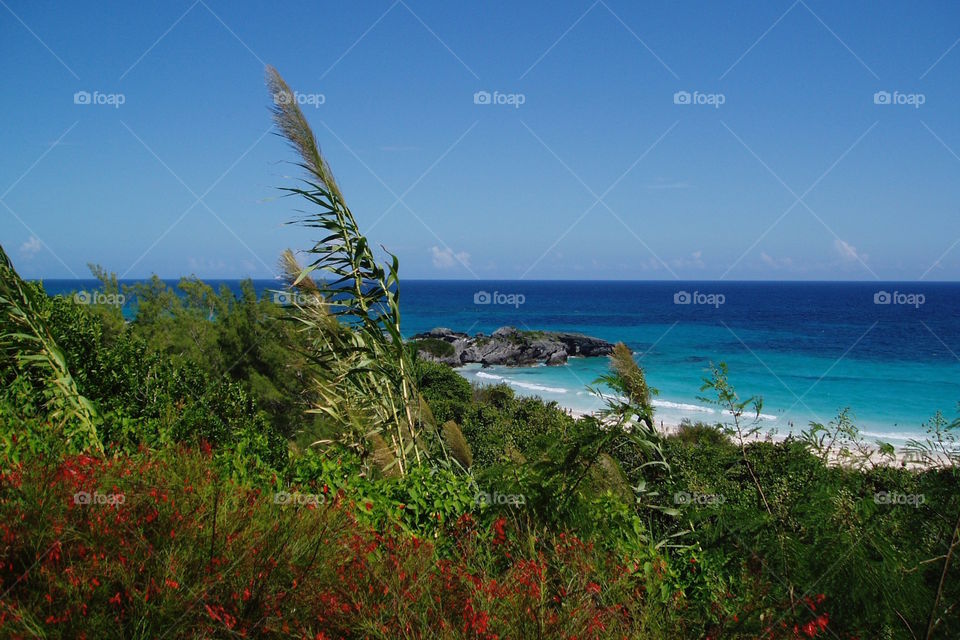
(840, 441)
(186, 553)
(434, 346)
(447, 392)
(363, 373)
(209, 516)
(29, 352)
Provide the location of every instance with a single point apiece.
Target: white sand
(872, 454)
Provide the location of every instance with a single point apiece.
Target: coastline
(569, 386)
(901, 458)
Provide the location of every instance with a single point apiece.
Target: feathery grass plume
(291, 269)
(634, 382)
(27, 348)
(294, 127)
(627, 379)
(363, 377)
(382, 457)
(426, 413)
(457, 443)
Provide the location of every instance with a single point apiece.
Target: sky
(605, 139)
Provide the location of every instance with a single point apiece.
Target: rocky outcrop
(507, 346)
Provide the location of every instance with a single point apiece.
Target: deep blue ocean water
(888, 351)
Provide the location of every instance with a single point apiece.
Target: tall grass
(29, 350)
(363, 376)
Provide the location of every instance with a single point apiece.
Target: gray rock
(508, 346)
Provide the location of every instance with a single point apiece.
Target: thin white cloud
(31, 247)
(776, 263)
(847, 251)
(694, 260)
(446, 258)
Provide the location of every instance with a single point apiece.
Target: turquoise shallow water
(808, 349)
(784, 409)
(888, 351)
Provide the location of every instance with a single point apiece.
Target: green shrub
(700, 433)
(434, 346)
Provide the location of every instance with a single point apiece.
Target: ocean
(887, 351)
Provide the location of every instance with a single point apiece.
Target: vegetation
(225, 466)
(434, 346)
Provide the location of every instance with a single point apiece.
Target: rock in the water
(507, 346)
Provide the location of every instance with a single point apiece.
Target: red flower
(822, 621)
(499, 532)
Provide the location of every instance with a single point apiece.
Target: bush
(447, 392)
(167, 547)
(434, 346)
(700, 433)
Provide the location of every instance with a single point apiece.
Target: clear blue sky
(797, 175)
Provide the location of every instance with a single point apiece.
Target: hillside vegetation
(222, 466)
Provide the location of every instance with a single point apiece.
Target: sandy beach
(871, 456)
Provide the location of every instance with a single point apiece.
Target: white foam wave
(683, 407)
(522, 385)
(666, 404)
(892, 435)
